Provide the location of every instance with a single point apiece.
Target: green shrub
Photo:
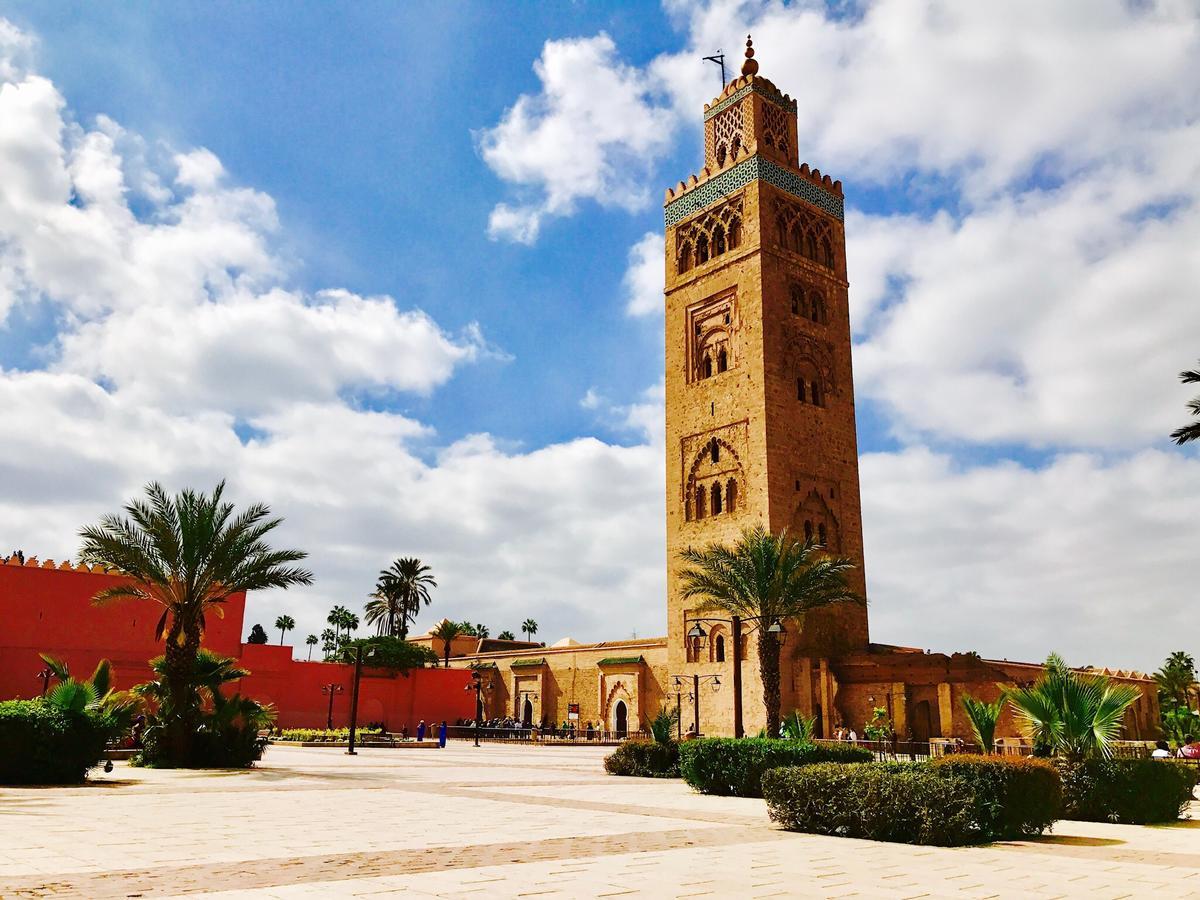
(44, 744)
(1013, 797)
(902, 802)
(1130, 791)
(645, 759)
(329, 735)
(734, 766)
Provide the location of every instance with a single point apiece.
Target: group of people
(1189, 749)
(568, 729)
(423, 729)
(845, 734)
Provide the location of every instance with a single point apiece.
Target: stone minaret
(759, 390)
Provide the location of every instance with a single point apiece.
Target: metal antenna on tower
(719, 59)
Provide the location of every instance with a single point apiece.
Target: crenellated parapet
(32, 562)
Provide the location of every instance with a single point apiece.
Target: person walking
(442, 735)
(421, 730)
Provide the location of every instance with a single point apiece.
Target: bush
(901, 802)
(734, 766)
(1014, 797)
(1130, 791)
(645, 759)
(43, 744)
(324, 735)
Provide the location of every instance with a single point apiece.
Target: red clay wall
(49, 610)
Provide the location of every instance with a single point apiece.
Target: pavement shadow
(1075, 840)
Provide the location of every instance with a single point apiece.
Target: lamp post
(694, 696)
(736, 626)
(480, 689)
(331, 690)
(358, 661)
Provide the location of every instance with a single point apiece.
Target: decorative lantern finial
(750, 66)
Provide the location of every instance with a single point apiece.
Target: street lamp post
(736, 625)
(480, 689)
(694, 696)
(331, 690)
(358, 661)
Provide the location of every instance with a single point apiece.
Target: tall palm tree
(311, 640)
(769, 578)
(378, 612)
(337, 618)
(351, 622)
(529, 628)
(188, 553)
(1191, 432)
(1072, 714)
(404, 587)
(284, 624)
(446, 632)
(329, 642)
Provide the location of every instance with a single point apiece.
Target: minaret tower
(759, 390)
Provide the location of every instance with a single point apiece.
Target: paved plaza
(511, 822)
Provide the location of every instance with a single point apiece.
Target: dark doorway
(819, 723)
(527, 713)
(922, 726)
(621, 718)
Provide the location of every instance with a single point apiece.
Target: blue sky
(397, 271)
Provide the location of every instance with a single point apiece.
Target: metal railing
(544, 736)
(918, 750)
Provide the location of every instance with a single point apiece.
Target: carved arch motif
(805, 232)
(708, 236)
(716, 481)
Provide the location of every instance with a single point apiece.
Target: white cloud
(644, 278)
(589, 134)
(1089, 557)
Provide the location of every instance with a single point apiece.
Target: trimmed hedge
(322, 734)
(1014, 797)
(735, 766)
(42, 744)
(901, 802)
(1129, 791)
(644, 759)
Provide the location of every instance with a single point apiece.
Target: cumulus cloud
(1086, 556)
(182, 355)
(644, 278)
(588, 134)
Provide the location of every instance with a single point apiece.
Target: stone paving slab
(508, 821)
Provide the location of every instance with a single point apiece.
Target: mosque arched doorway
(621, 719)
(527, 713)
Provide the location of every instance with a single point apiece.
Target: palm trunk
(768, 663)
(183, 642)
(446, 661)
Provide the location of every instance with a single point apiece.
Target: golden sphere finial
(750, 66)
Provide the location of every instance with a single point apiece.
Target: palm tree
(378, 612)
(446, 632)
(482, 631)
(1191, 432)
(983, 717)
(1175, 679)
(1071, 714)
(529, 628)
(188, 553)
(506, 635)
(351, 622)
(768, 578)
(329, 642)
(337, 618)
(311, 640)
(284, 624)
(404, 587)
